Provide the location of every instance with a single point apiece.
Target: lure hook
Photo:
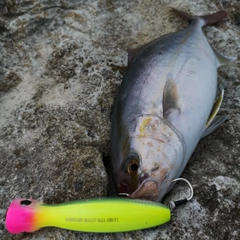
(174, 204)
(189, 184)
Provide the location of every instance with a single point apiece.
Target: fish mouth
(148, 190)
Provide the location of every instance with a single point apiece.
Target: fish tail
(205, 19)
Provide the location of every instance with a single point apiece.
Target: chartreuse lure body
(94, 215)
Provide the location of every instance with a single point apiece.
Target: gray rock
(8, 81)
(61, 63)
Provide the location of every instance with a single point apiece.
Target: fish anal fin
(222, 59)
(215, 109)
(170, 99)
(217, 122)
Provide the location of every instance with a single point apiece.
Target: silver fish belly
(161, 110)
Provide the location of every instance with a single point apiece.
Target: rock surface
(61, 63)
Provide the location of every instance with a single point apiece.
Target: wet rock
(61, 63)
(10, 80)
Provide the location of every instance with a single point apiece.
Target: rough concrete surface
(61, 63)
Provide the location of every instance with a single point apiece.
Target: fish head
(152, 160)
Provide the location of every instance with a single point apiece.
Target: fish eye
(133, 166)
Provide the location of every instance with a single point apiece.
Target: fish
(164, 106)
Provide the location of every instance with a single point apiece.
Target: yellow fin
(215, 109)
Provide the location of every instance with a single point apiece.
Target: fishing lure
(94, 215)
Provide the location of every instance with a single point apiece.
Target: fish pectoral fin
(222, 60)
(215, 109)
(170, 99)
(217, 121)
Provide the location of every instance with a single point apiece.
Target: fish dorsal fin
(133, 52)
(221, 58)
(215, 109)
(170, 99)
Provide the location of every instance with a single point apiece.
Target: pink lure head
(20, 215)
